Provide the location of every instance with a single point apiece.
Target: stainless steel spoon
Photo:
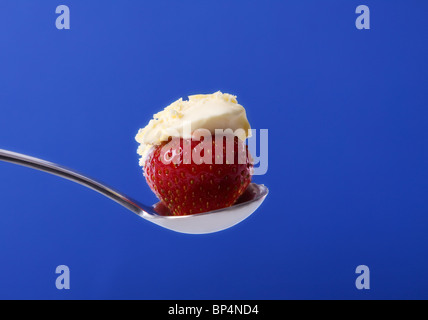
(201, 223)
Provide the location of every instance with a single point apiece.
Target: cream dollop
(202, 111)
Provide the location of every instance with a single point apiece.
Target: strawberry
(196, 186)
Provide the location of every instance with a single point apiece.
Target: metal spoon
(201, 223)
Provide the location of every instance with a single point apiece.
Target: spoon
(201, 223)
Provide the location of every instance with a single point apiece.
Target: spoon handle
(74, 176)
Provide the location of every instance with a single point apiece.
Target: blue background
(347, 116)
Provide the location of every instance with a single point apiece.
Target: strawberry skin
(190, 188)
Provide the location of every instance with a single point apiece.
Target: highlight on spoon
(217, 220)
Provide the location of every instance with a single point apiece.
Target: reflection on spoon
(201, 223)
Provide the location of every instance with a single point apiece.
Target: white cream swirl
(202, 111)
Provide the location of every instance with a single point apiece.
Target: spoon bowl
(202, 223)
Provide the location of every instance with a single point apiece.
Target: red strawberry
(195, 187)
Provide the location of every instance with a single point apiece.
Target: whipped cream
(202, 111)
